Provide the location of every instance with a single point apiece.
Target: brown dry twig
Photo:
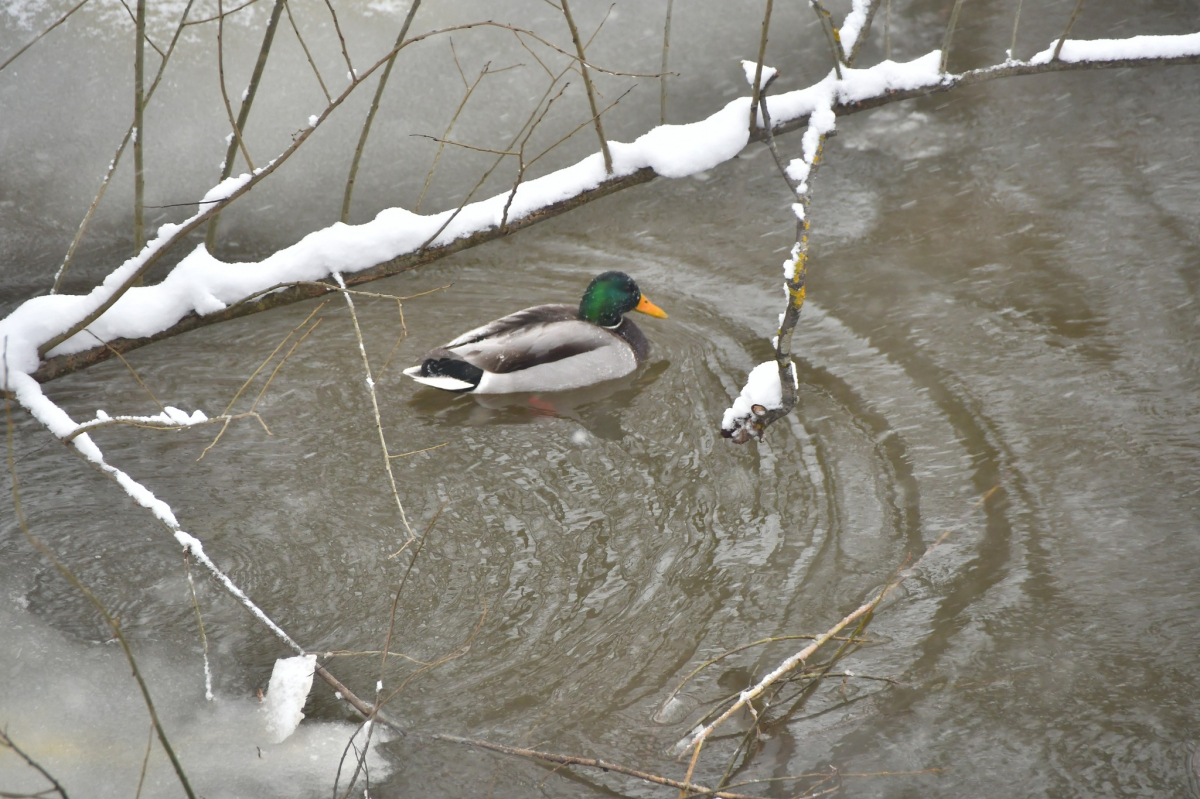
(696, 740)
(6, 742)
(38, 38)
(588, 762)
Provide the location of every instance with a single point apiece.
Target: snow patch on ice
(291, 680)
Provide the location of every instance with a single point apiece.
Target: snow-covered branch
(202, 290)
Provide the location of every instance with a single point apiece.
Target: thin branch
(1070, 22)
(587, 84)
(574, 56)
(1012, 48)
(452, 143)
(361, 764)
(145, 762)
(38, 38)
(148, 423)
(522, 166)
(362, 349)
(133, 372)
(735, 650)
(116, 159)
(662, 101)
(696, 740)
(342, 39)
(222, 14)
(187, 565)
(756, 90)
(236, 140)
(262, 366)
(579, 127)
(587, 762)
(296, 29)
(887, 32)
(7, 743)
(454, 655)
(210, 236)
(949, 34)
(831, 35)
(453, 119)
(139, 136)
(417, 451)
(366, 130)
(864, 30)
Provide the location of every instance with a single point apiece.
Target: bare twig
(831, 35)
(296, 29)
(116, 159)
(864, 31)
(7, 742)
(587, 762)
(239, 125)
(696, 740)
(573, 56)
(262, 366)
(454, 655)
(236, 140)
(38, 38)
(1074, 14)
(145, 762)
(521, 156)
(366, 130)
(133, 372)
(1012, 47)
(735, 650)
(662, 81)
(403, 335)
(351, 76)
(949, 34)
(417, 451)
(587, 83)
(222, 14)
(360, 766)
(187, 565)
(887, 32)
(756, 90)
(470, 89)
(362, 349)
(139, 181)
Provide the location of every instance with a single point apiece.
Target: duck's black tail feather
(452, 367)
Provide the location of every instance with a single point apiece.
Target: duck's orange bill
(647, 307)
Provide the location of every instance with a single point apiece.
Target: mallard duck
(547, 347)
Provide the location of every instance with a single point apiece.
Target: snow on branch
(202, 286)
(1136, 48)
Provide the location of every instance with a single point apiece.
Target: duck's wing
(537, 315)
(535, 344)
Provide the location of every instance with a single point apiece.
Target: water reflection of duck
(547, 347)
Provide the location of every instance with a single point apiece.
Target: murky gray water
(1003, 292)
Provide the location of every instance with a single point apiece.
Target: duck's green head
(611, 295)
